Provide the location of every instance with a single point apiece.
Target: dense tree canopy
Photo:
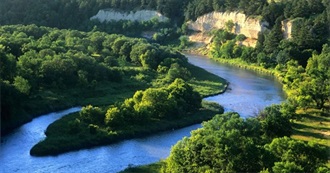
(68, 14)
(310, 86)
(297, 59)
(170, 102)
(227, 143)
(35, 60)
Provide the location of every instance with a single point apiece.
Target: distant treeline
(69, 14)
(74, 13)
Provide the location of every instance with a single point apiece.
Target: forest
(52, 56)
(38, 63)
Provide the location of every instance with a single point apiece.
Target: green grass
(313, 125)
(205, 83)
(237, 62)
(152, 168)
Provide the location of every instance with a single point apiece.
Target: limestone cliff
(142, 15)
(287, 28)
(250, 27)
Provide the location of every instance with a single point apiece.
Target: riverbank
(236, 62)
(102, 94)
(310, 125)
(60, 138)
(139, 151)
(58, 99)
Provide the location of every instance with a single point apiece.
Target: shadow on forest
(321, 117)
(300, 130)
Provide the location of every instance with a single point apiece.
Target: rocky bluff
(248, 26)
(107, 15)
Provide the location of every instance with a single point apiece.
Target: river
(247, 94)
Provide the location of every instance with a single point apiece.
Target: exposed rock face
(250, 27)
(200, 39)
(106, 15)
(287, 28)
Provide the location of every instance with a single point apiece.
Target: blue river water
(248, 93)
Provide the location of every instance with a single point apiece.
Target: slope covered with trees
(295, 60)
(228, 143)
(69, 14)
(302, 64)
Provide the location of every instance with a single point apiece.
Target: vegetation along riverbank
(57, 69)
(61, 58)
(106, 70)
(303, 69)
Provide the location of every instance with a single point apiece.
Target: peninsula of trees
(53, 56)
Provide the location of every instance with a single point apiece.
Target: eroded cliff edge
(107, 15)
(248, 26)
(243, 24)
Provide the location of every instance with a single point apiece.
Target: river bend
(248, 93)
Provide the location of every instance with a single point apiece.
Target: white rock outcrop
(287, 28)
(107, 15)
(250, 27)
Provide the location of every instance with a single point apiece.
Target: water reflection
(248, 91)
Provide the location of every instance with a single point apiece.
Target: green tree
(227, 49)
(91, 114)
(155, 103)
(275, 123)
(229, 25)
(177, 71)
(149, 59)
(184, 42)
(294, 155)
(7, 65)
(293, 75)
(22, 85)
(186, 97)
(318, 80)
(59, 72)
(28, 66)
(114, 118)
(273, 38)
(140, 49)
(224, 144)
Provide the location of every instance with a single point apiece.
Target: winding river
(248, 93)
